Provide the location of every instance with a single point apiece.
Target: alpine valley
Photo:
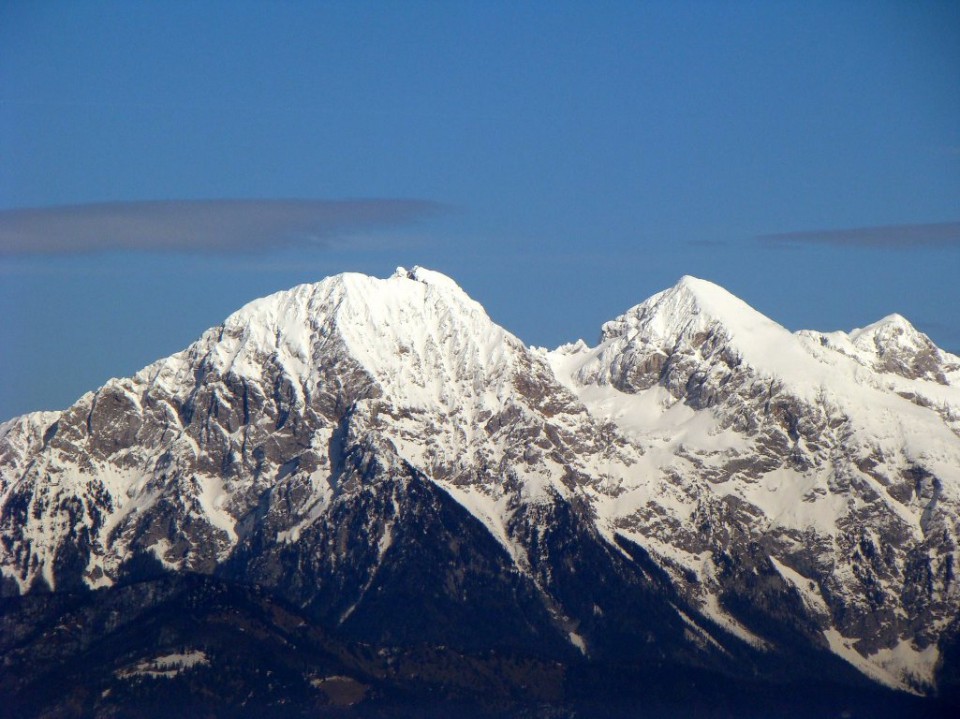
(362, 497)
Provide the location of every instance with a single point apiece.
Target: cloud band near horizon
(206, 226)
(943, 234)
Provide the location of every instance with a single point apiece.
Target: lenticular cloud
(942, 234)
(214, 226)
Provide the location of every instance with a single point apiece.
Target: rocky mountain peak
(702, 483)
(898, 347)
(416, 335)
(892, 346)
(694, 326)
(893, 333)
(690, 308)
(428, 277)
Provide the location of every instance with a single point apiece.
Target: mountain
(703, 499)
(833, 458)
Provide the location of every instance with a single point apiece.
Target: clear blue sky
(587, 155)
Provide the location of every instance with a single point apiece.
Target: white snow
(699, 635)
(212, 497)
(422, 340)
(806, 587)
(711, 607)
(493, 512)
(577, 641)
(657, 421)
(916, 667)
(165, 666)
(438, 369)
(315, 507)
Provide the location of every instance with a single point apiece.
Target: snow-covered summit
(427, 277)
(901, 348)
(892, 346)
(416, 333)
(690, 307)
(351, 296)
(695, 318)
(893, 325)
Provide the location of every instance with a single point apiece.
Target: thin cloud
(706, 243)
(938, 235)
(206, 226)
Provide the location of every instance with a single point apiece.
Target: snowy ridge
(730, 449)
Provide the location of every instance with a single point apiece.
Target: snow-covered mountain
(703, 488)
(834, 458)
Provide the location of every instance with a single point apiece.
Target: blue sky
(562, 161)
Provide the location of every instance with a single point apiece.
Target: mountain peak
(892, 335)
(353, 298)
(427, 277)
(894, 345)
(691, 307)
(699, 286)
(704, 323)
(358, 286)
(891, 327)
(416, 333)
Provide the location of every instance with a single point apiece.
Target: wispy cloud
(207, 226)
(943, 234)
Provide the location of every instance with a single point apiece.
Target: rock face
(703, 489)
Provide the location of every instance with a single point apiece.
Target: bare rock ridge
(702, 489)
